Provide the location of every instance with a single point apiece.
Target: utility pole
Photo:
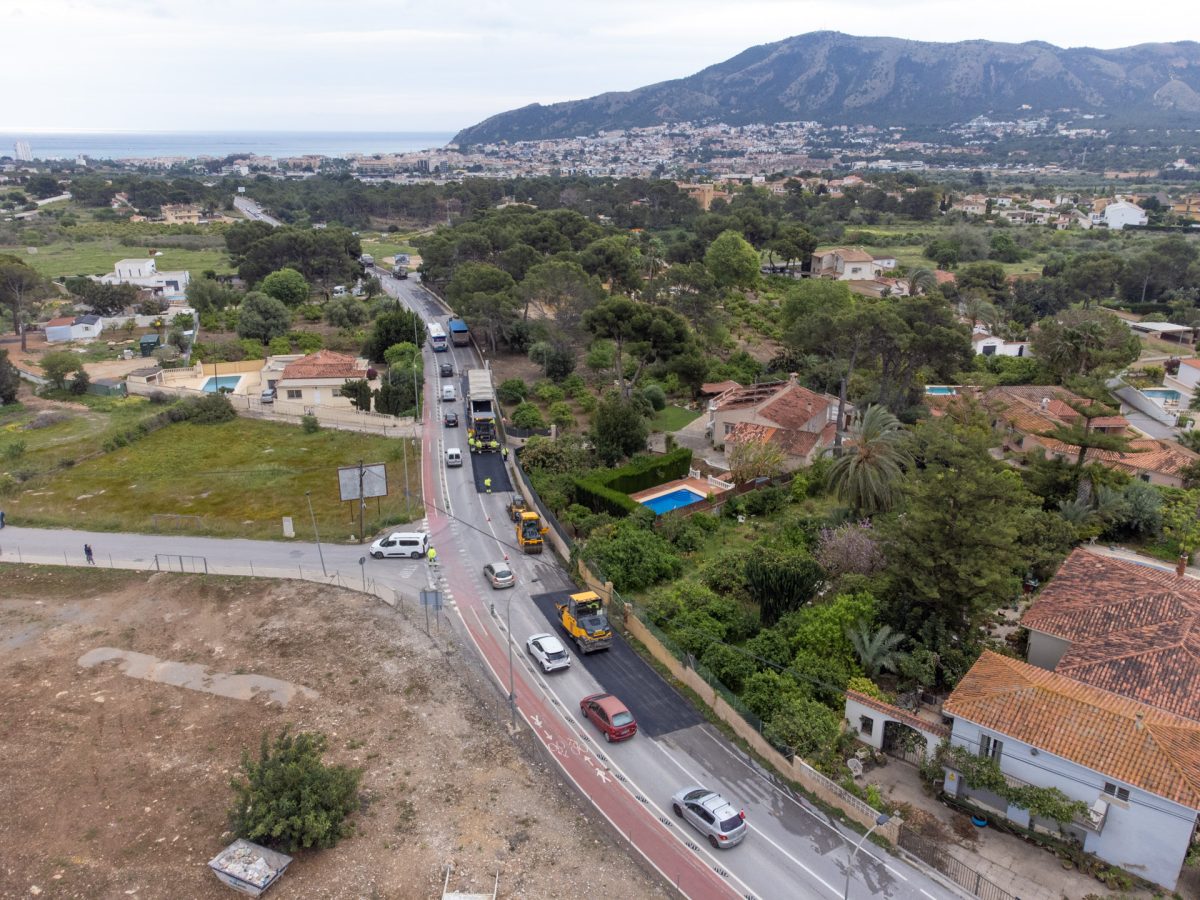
(362, 502)
(316, 533)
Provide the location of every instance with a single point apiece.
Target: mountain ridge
(840, 79)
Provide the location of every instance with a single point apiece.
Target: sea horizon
(115, 145)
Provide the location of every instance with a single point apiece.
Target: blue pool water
(1161, 394)
(674, 500)
(216, 382)
(940, 390)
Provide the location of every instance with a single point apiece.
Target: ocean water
(142, 145)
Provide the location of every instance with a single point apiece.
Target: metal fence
(956, 870)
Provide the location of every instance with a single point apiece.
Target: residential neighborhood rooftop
(1144, 747)
(324, 364)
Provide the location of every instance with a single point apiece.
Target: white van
(413, 544)
(453, 457)
(448, 395)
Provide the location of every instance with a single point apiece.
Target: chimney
(1045, 403)
(1138, 723)
(1181, 565)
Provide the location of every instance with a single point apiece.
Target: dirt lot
(116, 786)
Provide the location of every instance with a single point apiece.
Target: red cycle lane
(684, 868)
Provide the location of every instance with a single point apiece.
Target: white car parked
(548, 651)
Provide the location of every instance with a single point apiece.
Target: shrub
(208, 410)
(573, 385)
(512, 390)
(279, 346)
(528, 416)
(80, 382)
(656, 395)
(310, 424)
(289, 799)
(632, 557)
(548, 392)
(781, 582)
(562, 415)
(307, 341)
(803, 725)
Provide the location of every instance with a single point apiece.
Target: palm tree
(921, 281)
(867, 474)
(876, 651)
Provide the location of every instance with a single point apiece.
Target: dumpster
(249, 868)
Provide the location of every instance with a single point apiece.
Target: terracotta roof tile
(1128, 741)
(323, 364)
(1147, 455)
(795, 406)
(1133, 629)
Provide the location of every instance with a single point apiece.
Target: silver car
(711, 815)
(499, 574)
(548, 651)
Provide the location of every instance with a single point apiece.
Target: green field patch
(240, 478)
(96, 257)
(672, 418)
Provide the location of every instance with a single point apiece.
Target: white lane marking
(628, 787)
(899, 874)
(758, 835)
(927, 894)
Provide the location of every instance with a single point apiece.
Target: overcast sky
(440, 65)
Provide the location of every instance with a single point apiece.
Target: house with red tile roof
(1135, 767)
(801, 422)
(316, 379)
(1127, 627)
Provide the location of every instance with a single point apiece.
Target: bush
(656, 395)
(207, 410)
(307, 341)
(781, 582)
(547, 392)
(562, 415)
(310, 424)
(632, 557)
(80, 383)
(528, 417)
(289, 799)
(511, 391)
(280, 346)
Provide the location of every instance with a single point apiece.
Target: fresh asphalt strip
(490, 465)
(658, 707)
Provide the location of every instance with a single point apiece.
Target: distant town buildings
(22, 152)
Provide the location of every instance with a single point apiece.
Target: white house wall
(1147, 835)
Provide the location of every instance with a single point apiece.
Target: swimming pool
(940, 390)
(1161, 394)
(675, 500)
(215, 382)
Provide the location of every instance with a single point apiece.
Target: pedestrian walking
(504, 453)
(487, 485)
(1, 518)
(432, 556)
(87, 554)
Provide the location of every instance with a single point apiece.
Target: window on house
(295, 394)
(989, 349)
(728, 428)
(866, 725)
(990, 747)
(1113, 791)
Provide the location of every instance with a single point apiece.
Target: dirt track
(116, 785)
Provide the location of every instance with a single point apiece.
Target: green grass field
(95, 257)
(672, 418)
(240, 477)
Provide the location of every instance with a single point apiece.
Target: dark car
(610, 715)
(447, 370)
(451, 419)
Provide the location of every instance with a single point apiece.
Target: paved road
(252, 210)
(793, 851)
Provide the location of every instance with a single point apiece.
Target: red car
(610, 715)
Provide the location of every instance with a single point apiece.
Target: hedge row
(609, 491)
(648, 471)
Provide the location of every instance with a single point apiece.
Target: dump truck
(516, 507)
(481, 412)
(585, 621)
(460, 334)
(529, 532)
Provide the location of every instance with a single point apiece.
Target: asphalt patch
(490, 465)
(658, 707)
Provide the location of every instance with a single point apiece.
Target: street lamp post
(883, 819)
(316, 534)
(512, 697)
